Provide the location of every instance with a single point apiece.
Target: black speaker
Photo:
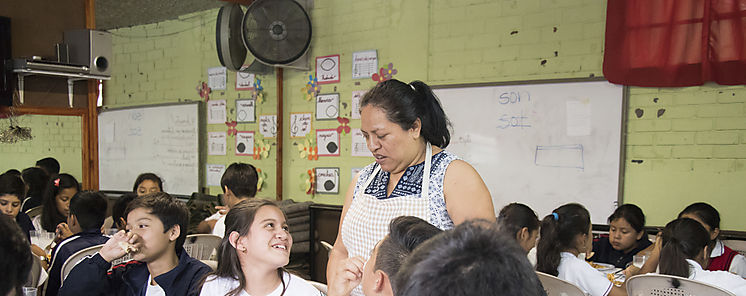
(6, 78)
(90, 48)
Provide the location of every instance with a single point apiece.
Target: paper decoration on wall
(327, 69)
(300, 124)
(245, 143)
(343, 127)
(327, 106)
(268, 125)
(309, 181)
(213, 174)
(364, 63)
(216, 142)
(217, 77)
(261, 148)
(311, 89)
(246, 111)
(385, 73)
(327, 141)
(244, 80)
(260, 177)
(231, 127)
(357, 96)
(216, 112)
(307, 148)
(203, 90)
(358, 145)
(327, 180)
(258, 92)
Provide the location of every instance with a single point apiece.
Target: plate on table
(602, 266)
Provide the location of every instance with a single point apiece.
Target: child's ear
(381, 280)
(174, 232)
(523, 234)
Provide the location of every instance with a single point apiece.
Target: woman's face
(62, 200)
(268, 242)
(10, 205)
(146, 187)
(622, 236)
(393, 147)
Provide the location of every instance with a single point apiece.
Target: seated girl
(626, 238)
(520, 222)
(684, 252)
(56, 203)
(564, 235)
(255, 247)
(147, 183)
(721, 257)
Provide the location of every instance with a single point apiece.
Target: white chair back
(202, 246)
(662, 285)
(555, 286)
(75, 259)
(33, 212)
(319, 286)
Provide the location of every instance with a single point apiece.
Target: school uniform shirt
(30, 203)
(67, 248)
(722, 279)
(583, 275)
(294, 286)
(723, 258)
(25, 223)
(604, 252)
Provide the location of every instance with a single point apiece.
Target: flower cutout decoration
(231, 127)
(343, 125)
(261, 149)
(261, 176)
(204, 91)
(257, 93)
(309, 181)
(308, 148)
(385, 73)
(312, 88)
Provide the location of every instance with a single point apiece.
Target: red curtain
(675, 42)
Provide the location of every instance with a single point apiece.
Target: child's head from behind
(49, 165)
(17, 258)
(36, 181)
(161, 221)
(519, 221)
(705, 214)
(238, 183)
(11, 194)
(683, 239)
(117, 210)
(566, 229)
(87, 211)
(147, 183)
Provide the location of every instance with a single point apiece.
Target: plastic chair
(555, 286)
(75, 259)
(661, 284)
(201, 246)
(319, 286)
(211, 263)
(33, 212)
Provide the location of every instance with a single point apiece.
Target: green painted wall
(694, 151)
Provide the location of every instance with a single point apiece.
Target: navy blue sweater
(67, 248)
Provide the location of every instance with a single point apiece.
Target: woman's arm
(466, 195)
(339, 253)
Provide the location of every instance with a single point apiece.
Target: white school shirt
(296, 286)
(153, 290)
(722, 279)
(737, 266)
(583, 275)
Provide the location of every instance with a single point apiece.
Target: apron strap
(425, 174)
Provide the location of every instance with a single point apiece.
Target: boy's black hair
(16, 254)
(117, 210)
(405, 234)
(13, 172)
(89, 208)
(516, 216)
(241, 179)
(12, 185)
(49, 165)
(36, 179)
(169, 210)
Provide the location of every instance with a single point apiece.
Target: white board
(527, 149)
(160, 139)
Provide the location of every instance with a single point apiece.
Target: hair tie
(57, 182)
(556, 216)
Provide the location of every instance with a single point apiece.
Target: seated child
(117, 210)
(238, 183)
(519, 221)
(627, 237)
(721, 257)
(17, 259)
(147, 183)
(11, 192)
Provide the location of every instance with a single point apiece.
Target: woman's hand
(347, 277)
(119, 245)
(63, 231)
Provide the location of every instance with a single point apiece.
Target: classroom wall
(693, 151)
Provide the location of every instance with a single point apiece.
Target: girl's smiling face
(268, 241)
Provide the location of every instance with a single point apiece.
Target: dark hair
(147, 176)
(239, 219)
(169, 210)
(404, 103)
(241, 179)
(117, 210)
(708, 214)
(472, 259)
(12, 185)
(89, 208)
(16, 254)
(36, 179)
(50, 165)
(632, 214)
(515, 216)
(558, 232)
(405, 234)
(683, 239)
(50, 215)
(14, 172)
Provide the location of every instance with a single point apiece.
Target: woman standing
(406, 129)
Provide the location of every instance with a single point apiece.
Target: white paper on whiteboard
(214, 173)
(578, 118)
(364, 64)
(216, 78)
(245, 110)
(268, 126)
(216, 111)
(359, 146)
(357, 95)
(216, 142)
(108, 133)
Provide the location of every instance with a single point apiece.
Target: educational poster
(327, 106)
(216, 112)
(359, 147)
(327, 69)
(246, 111)
(364, 64)
(268, 126)
(217, 78)
(213, 174)
(245, 143)
(300, 124)
(327, 141)
(244, 81)
(357, 96)
(216, 142)
(327, 180)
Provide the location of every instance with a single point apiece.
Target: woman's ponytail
(435, 123)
